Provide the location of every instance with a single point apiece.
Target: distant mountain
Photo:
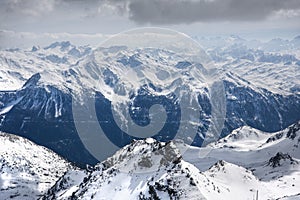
(37, 89)
(27, 170)
(273, 45)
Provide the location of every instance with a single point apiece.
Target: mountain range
(240, 138)
(246, 164)
(39, 86)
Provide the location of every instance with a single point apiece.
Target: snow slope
(27, 170)
(144, 169)
(251, 163)
(245, 163)
(52, 61)
(272, 158)
(244, 139)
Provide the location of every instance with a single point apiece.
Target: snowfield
(27, 170)
(269, 162)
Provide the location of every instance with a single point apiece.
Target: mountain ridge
(27, 170)
(260, 94)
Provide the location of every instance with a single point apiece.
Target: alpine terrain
(79, 122)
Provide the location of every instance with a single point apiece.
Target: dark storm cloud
(171, 12)
(158, 11)
(152, 11)
(188, 11)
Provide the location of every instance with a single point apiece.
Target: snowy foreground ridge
(246, 163)
(27, 170)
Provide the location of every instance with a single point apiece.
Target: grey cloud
(160, 11)
(189, 11)
(27, 7)
(115, 15)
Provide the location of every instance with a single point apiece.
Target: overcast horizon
(39, 22)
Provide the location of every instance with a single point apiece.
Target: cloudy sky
(87, 21)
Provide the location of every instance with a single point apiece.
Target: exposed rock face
(279, 158)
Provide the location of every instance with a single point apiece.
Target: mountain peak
(33, 80)
(235, 38)
(279, 158)
(292, 130)
(35, 48)
(218, 166)
(297, 37)
(62, 44)
(173, 179)
(291, 133)
(147, 154)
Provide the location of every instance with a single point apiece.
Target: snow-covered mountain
(273, 159)
(273, 45)
(246, 164)
(37, 88)
(144, 169)
(147, 170)
(27, 170)
(35, 99)
(18, 65)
